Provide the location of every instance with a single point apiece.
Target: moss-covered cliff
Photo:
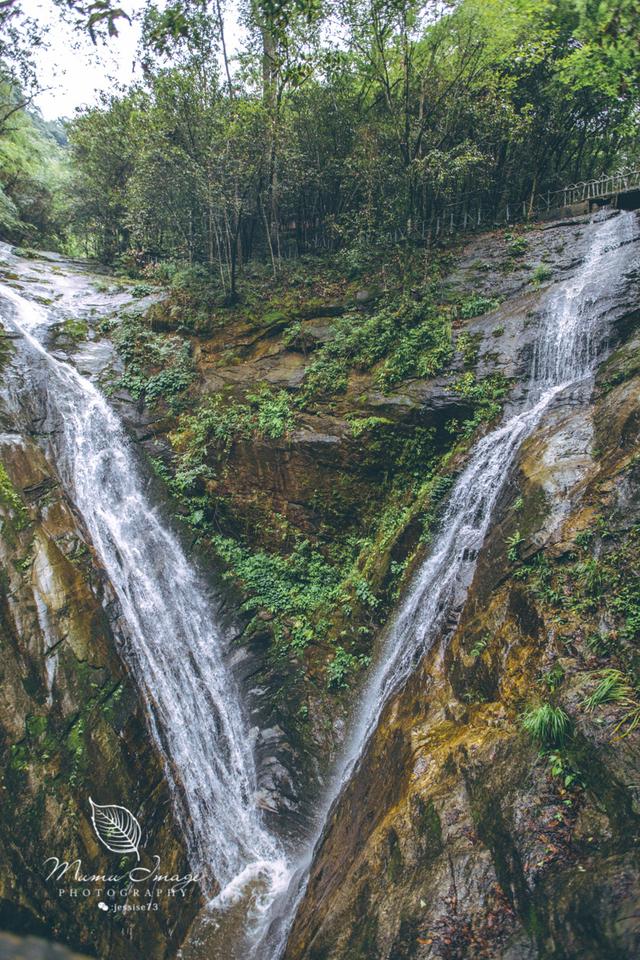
(308, 439)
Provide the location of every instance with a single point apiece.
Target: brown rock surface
(455, 839)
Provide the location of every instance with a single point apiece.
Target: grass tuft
(547, 725)
(612, 687)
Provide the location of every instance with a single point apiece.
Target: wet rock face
(319, 478)
(453, 841)
(71, 728)
(459, 837)
(33, 948)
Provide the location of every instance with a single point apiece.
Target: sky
(74, 72)
(71, 69)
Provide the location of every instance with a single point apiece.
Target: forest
(337, 125)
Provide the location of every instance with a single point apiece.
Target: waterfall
(570, 341)
(175, 649)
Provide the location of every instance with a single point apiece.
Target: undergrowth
(598, 584)
(405, 338)
(156, 366)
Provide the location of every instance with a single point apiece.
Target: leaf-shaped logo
(116, 827)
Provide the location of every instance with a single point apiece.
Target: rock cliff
(461, 834)
(308, 439)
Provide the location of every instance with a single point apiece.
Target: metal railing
(605, 186)
(470, 214)
(477, 212)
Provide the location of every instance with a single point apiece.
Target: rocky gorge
(307, 443)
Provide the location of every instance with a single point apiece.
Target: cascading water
(175, 648)
(570, 341)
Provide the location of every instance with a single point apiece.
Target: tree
(307, 142)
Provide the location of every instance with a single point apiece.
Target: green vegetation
(296, 589)
(475, 305)
(554, 678)
(197, 167)
(561, 766)
(5, 349)
(598, 583)
(549, 726)
(9, 497)
(468, 345)
(33, 170)
(541, 273)
(404, 339)
(612, 687)
(485, 396)
(211, 169)
(220, 420)
(365, 425)
(333, 588)
(341, 666)
(21, 214)
(590, 583)
(305, 186)
(517, 246)
(157, 367)
(479, 647)
(272, 412)
(279, 216)
(514, 542)
(75, 329)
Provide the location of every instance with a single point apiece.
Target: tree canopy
(345, 122)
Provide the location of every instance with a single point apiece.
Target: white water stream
(175, 648)
(570, 340)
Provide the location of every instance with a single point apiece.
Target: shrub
(554, 677)
(10, 497)
(271, 412)
(591, 577)
(219, 421)
(341, 667)
(468, 345)
(156, 366)
(518, 247)
(475, 305)
(140, 290)
(297, 587)
(325, 376)
(407, 338)
(360, 425)
(485, 395)
(560, 766)
(541, 273)
(514, 542)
